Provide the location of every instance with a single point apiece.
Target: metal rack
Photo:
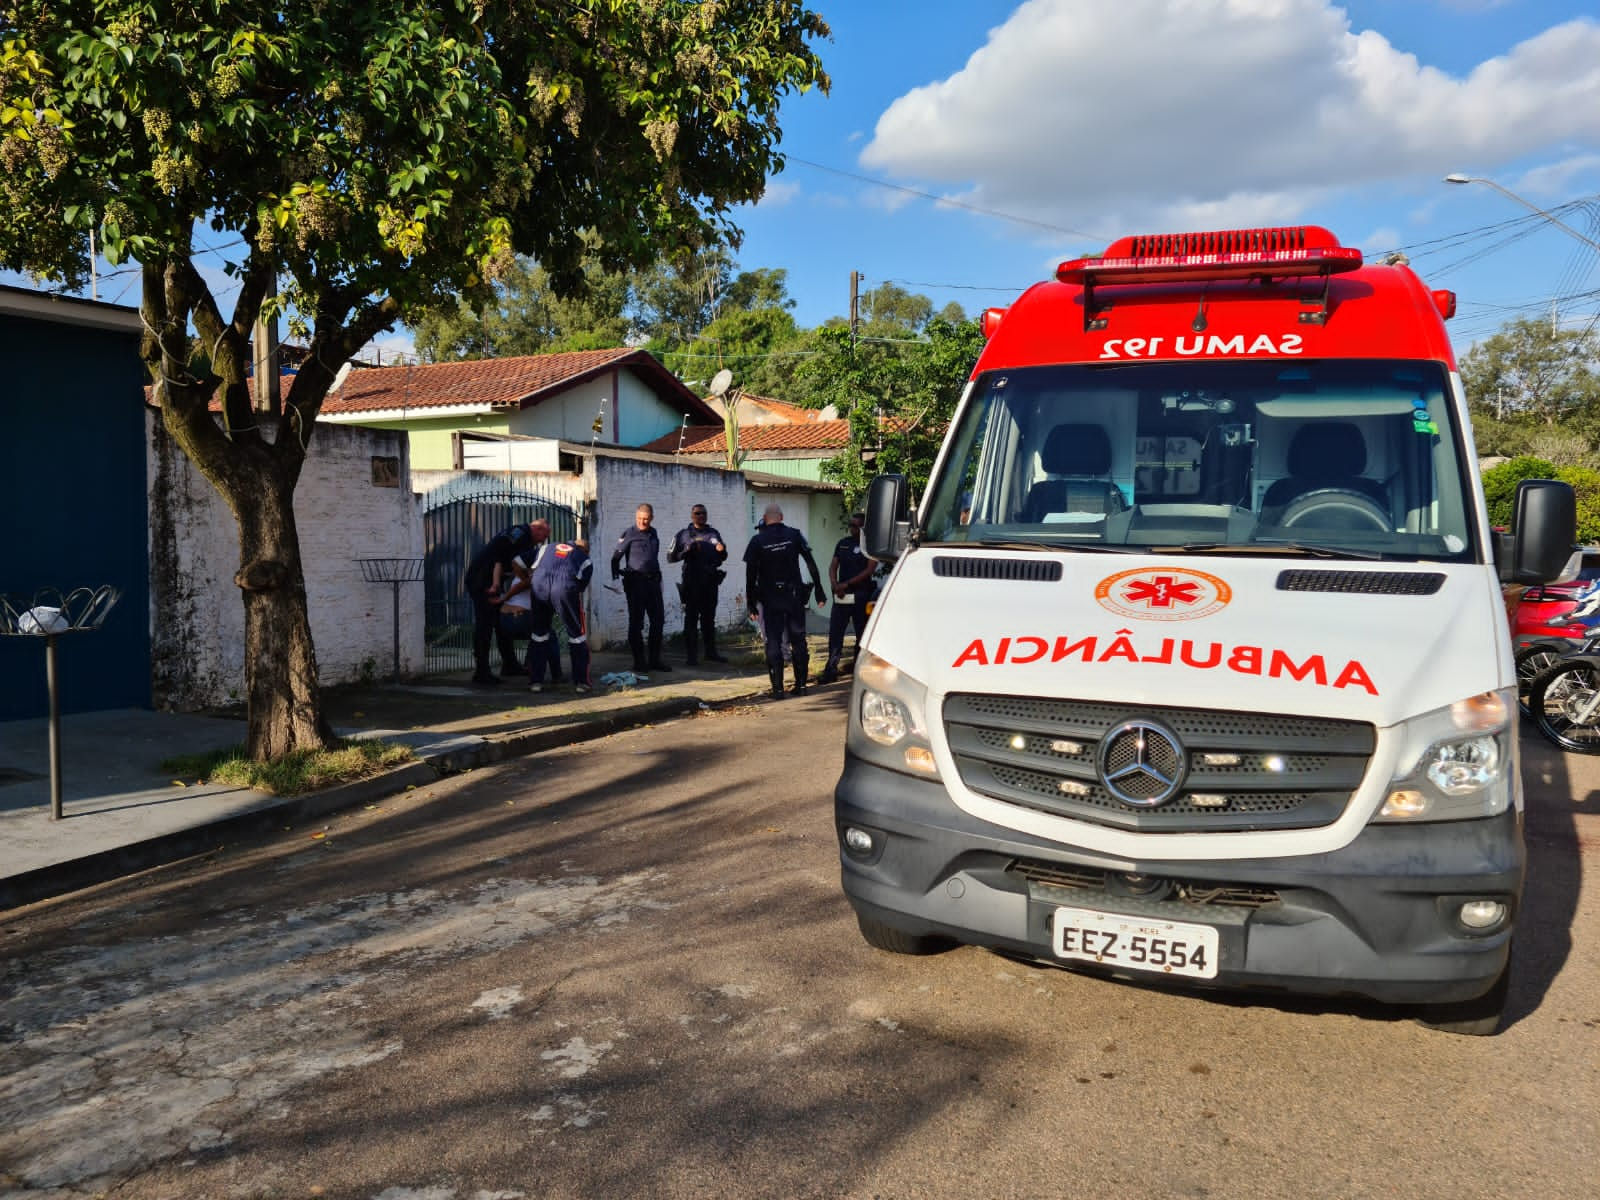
(394, 571)
(49, 615)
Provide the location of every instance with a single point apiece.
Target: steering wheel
(1336, 508)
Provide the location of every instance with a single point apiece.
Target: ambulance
(1193, 665)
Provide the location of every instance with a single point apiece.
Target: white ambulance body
(1193, 664)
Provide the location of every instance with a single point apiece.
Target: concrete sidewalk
(123, 813)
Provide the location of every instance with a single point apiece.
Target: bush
(1500, 490)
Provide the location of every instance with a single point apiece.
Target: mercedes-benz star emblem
(1142, 763)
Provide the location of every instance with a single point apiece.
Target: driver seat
(1323, 457)
(1077, 459)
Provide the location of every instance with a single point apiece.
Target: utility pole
(268, 395)
(855, 307)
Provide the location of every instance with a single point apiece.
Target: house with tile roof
(619, 397)
(795, 449)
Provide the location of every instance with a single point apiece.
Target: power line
(945, 200)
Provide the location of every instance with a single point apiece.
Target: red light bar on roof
(1221, 254)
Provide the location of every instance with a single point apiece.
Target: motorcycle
(1564, 697)
(1577, 633)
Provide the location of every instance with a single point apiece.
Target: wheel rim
(1529, 667)
(1559, 706)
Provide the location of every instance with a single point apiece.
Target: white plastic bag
(42, 619)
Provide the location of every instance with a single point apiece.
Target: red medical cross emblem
(1161, 592)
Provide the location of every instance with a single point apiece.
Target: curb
(105, 866)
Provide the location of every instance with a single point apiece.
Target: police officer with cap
(773, 582)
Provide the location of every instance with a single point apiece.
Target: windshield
(1350, 457)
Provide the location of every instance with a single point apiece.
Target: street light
(1528, 204)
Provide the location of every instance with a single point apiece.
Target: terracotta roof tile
(831, 436)
(501, 382)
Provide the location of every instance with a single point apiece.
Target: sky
(966, 147)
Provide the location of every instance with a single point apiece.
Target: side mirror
(888, 518)
(1544, 527)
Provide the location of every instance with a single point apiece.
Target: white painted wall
(673, 488)
(197, 614)
(631, 412)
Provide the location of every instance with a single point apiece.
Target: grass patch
(302, 771)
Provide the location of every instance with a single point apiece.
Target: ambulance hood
(1368, 641)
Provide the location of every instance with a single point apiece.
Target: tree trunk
(285, 709)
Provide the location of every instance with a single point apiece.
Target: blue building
(73, 495)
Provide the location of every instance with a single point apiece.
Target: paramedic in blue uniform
(516, 608)
(773, 583)
(850, 575)
(485, 575)
(701, 550)
(559, 582)
(637, 561)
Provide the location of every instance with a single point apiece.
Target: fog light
(920, 760)
(1482, 914)
(858, 840)
(1404, 802)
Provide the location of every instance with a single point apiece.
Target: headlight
(886, 724)
(1455, 763)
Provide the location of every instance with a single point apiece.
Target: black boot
(830, 671)
(777, 683)
(801, 673)
(689, 656)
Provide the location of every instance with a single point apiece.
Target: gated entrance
(454, 528)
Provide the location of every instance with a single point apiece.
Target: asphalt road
(626, 970)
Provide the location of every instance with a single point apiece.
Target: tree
(361, 162)
(899, 400)
(527, 316)
(680, 295)
(1532, 371)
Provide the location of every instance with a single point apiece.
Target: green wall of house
(432, 448)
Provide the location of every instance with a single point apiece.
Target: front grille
(1202, 892)
(1245, 771)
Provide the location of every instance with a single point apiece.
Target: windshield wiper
(1310, 549)
(1049, 547)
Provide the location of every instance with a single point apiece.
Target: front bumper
(1376, 918)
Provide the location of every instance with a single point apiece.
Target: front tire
(897, 941)
(1559, 698)
(1480, 1017)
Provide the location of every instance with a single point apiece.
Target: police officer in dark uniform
(701, 550)
(558, 583)
(850, 575)
(772, 581)
(637, 561)
(485, 573)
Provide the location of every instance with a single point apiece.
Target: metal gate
(454, 531)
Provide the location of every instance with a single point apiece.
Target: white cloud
(1200, 112)
(778, 193)
(1556, 179)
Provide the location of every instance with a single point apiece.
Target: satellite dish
(721, 381)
